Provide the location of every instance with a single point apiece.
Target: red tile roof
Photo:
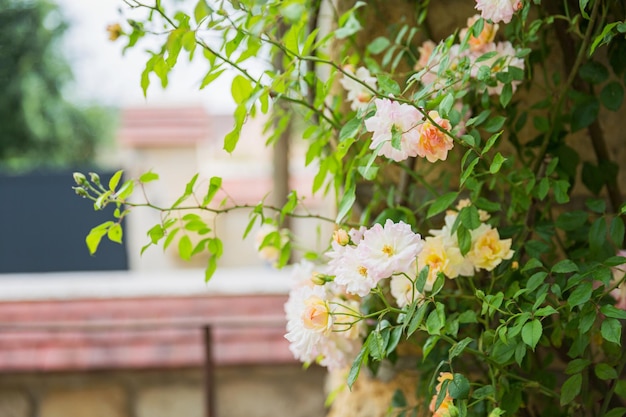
(171, 126)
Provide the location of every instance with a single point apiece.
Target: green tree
(38, 125)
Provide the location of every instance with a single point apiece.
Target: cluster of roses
(400, 130)
(324, 319)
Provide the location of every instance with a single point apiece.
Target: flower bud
(341, 237)
(79, 178)
(81, 192)
(95, 178)
(115, 31)
(321, 279)
(515, 265)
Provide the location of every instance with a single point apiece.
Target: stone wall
(242, 391)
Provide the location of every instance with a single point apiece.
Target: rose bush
(470, 224)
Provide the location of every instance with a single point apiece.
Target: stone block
(94, 401)
(170, 401)
(270, 391)
(14, 403)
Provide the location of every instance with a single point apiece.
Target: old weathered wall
(243, 391)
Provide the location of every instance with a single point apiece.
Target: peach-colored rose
(316, 315)
(433, 143)
(444, 408)
(486, 36)
(425, 51)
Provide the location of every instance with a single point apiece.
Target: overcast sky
(105, 75)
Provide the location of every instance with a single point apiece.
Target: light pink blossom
(619, 293)
(403, 290)
(425, 51)
(498, 10)
(350, 272)
(316, 322)
(358, 94)
(389, 250)
(392, 116)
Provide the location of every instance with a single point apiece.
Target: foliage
(38, 125)
(472, 245)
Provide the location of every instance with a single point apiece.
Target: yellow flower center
(362, 270)
(388, 250)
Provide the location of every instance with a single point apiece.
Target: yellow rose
(488, 250)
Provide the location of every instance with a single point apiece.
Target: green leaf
(593, 72)
(346, 203)
(459, 387)
(378, 45)
(115, 179)
(115, 233)
(560, 191)
(350, 129)
(398, 400)
(446, 104)
(597, 205)
(531, 333)
(442, 203)
(457, 348)
(388, 85)
(241, 89)
(611, 330)
(597, 233)
(616, 412)
(349, 28)
(464, 239)
(494, 124)
(434, 323)
(469, 170)
(210, 269)
(543, 188)
(148, 176)
(616, 231)
(491, 141)
(580, 295)
(396, 138)
(185, 248)
(201, 11)
(612, 311)
(498, 160)
(576, 366)
(536, 280)
(571, 388)
(584, 114)
(506, 95)
(359, 361)
(215, 183)
(612, 96)
(417, 319)
(572, 220)
(156, 233)
(95, 236)
(565, 266)
(605, 372)
(532, 264)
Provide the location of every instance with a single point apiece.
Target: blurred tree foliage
(39, 127)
